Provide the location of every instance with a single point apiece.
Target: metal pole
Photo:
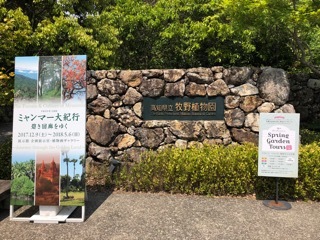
(276, 204)
(277, 190)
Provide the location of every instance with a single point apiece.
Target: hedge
(220, 170)
(211, 170)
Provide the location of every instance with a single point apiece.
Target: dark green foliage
(309, 136)
(212, 170)
(220, 170)
(22, 186)
(138, 34)
(5, 159)
(312, 126)
(25, 88)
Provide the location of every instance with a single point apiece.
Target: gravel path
(122, 215)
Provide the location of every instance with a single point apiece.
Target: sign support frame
(276, 204)
(278, 151)
(62, 216)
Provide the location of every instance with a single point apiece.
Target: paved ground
(121, 215)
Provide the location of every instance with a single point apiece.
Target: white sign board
(278, 145)
(48, 145)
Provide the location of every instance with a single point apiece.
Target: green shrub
(220, 170)
(212, 170)
(5, 158)
(307, 186)
(309, 136)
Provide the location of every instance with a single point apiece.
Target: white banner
(278, 145)
(48, 145)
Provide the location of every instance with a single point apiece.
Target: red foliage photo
(74, 79)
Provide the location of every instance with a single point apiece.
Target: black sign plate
(183, 108)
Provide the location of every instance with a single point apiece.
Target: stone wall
(115, 128)
(305, 96)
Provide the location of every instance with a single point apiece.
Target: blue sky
(22, 156)
(72, 154)
(81, 57)
(27, 64)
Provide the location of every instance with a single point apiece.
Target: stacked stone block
(116, 129)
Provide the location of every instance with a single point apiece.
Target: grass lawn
(75, 199)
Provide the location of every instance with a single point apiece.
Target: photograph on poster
(74, 80)
(49, 117)
(49, 81)
(22, 178)
(72, 178)
(47, 177)
(26, 77)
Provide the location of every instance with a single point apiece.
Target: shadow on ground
(93, 202)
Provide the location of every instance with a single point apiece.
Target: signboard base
(49, 211)
(60, 217)
(277, 205)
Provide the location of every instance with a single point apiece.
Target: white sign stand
(45, 128)
(50, 214)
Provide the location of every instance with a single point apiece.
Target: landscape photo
(74, 80)
(72, 190)
(22, 178)
(47, 90)
(47, 178)
(49, 81)
(26, 77)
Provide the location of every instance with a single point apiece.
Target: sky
(22, 156)
(47, 156)
(26, 64)
(72, 154)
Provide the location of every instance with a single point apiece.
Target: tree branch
(303, 56)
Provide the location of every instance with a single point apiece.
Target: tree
(66, 160)
(74, 161)
(73, 76)
(15, 35)
(64, 181)
(22, 186)
(36, 11)
(82, 159)
(20, 169)
(305, 32)
(135, 35)
(49, 83)
(85, 9)
(280, 33)
(6, 84)
(139, 34)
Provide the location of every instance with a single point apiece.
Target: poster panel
(278, 145)
(48, 144)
